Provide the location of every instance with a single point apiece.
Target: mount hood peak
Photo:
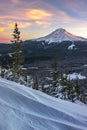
(60, 35)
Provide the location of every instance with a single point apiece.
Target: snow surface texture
(22, 108)
(60, 35)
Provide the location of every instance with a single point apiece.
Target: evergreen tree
(43, 88)
(2, 70)
(77, 94)
(18, 58)
(15, 72)
(62, 87)
(55, 73)
(65, 89)
(70, 89)
(36, 83)
(54, 82)
(84, 98)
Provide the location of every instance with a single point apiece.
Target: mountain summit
(60, 35)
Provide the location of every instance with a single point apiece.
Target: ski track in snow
(22, 108)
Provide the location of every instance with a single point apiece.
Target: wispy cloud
(15, 1)
(76, 8)
(37, 14)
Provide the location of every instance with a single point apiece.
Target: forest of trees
(59, 85)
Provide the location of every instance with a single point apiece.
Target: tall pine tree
(18, 57)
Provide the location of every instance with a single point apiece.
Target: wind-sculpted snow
(23, 108)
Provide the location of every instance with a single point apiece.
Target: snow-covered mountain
(60, 35)
(22, 108)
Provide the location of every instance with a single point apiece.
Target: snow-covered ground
(71, 47)
(22, 108)
(74, 76)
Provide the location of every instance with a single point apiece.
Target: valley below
(39, 57)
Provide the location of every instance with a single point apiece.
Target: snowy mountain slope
(60, 35)
(71, 47)
(22, 108)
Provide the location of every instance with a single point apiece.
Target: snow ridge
(60, 35)
(22, 108)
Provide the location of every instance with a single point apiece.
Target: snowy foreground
(22, 108)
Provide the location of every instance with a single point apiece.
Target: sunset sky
(38, 18)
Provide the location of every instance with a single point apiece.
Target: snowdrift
(22, 108)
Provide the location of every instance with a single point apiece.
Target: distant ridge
(60, 35)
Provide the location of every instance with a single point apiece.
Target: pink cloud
(15, 1)
(4, 40)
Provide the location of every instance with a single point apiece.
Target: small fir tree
(54, 83)
(65, 88)
(36, 83)
(55, 73)
(77, 93)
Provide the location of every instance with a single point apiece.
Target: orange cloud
(43, 23)
(37, 14)
(20, 25)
